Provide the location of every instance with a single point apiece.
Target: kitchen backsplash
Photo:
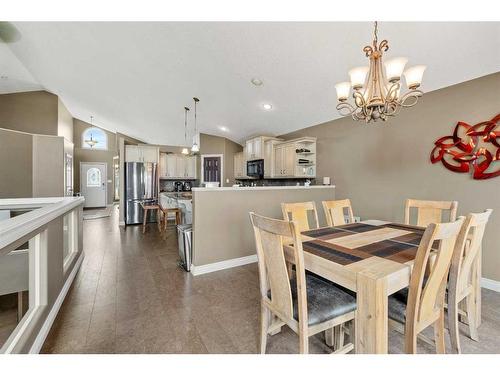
(276, 182)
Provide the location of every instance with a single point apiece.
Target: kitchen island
(223, 235)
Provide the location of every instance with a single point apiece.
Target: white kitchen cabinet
(132, 154)
(269, 164)
(149, 154)
(284, 160)
(177, 166)
(254, 148)
(190, 167)
(240, 165)
(141, 154)
(171, 166)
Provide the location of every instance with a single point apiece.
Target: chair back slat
(299, 213)
(334, 212)
(426, 302)
(270, 235)
(430, 211)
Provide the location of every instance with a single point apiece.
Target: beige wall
(221, 225)
(211, 144)
(48, 166)
(16, 164)
(31, 112)
(64, 122)
(89, 156)
(379, 165)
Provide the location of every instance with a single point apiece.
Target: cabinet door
(163, 165)
(171, 166)
(289, 160)
(149, 154)
(278, 161)
(257, 148)
(249, 149)
(237, 165)
(190, 166)
(180, 166)
(132, 154)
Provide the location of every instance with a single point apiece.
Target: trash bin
(185, 236)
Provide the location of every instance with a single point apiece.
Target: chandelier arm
(410, 98)
(346, 109)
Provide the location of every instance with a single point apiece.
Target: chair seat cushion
(397, 305)
(325, 301)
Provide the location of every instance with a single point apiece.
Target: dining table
(372, 258)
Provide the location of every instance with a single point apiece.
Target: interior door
(211, 169)
(93, 184)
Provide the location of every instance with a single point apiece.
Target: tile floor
(131, 297)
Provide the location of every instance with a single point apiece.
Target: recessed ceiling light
(267, 106)
(256, 81)
(223, 128)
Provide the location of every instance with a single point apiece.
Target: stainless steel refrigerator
(140, 186)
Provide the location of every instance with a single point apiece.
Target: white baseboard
(44, 331)
(212, 267)
(490, 284)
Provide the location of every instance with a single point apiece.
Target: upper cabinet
(294, 158)
(177, 166)
(240, 165)
(141, 154)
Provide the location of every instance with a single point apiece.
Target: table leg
(371, 317)
(145, 220)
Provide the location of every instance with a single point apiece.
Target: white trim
(225, 264)
(221, 156)
(44, 331)
(490, 284)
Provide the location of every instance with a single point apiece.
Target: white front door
(93, 183)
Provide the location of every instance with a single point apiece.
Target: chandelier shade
(377, 88)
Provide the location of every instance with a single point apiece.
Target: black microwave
(255, 168)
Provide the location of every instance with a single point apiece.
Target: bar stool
(166, 211)
(151, 206)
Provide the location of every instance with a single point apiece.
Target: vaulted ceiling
(136, 78)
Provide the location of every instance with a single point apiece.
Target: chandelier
(185, 151)
(196, 146)
(91, 142)
(377, 87)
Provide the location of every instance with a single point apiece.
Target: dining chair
(422, 303)
(430, 211)
(299, 213)
(335, 212)
(462, 275)
(306, 303)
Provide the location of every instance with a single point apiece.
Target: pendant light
(91, 142)
(196, 146)
(185, 150)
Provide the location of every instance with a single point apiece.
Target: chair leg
(264, 326)
(158, 219)
(329, 335)
(144, 220)
(303, 342)
(410, 340)
(439, 333)
(453, 327)
(338, 336)
(471, 315)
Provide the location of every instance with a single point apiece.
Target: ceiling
(136, 78)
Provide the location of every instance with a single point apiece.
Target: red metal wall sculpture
(473, 148)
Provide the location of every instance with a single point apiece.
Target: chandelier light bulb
(358, 76)
(195, 147)
(414, 76)
(394, 68)
(343, 89)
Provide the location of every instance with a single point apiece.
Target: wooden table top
(354, 242)
(379, 249)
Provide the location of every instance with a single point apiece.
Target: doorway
(93, 184)
(212, 168)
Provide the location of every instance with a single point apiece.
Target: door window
(93, 177)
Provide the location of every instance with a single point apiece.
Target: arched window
(95, 139)
(93, 177)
